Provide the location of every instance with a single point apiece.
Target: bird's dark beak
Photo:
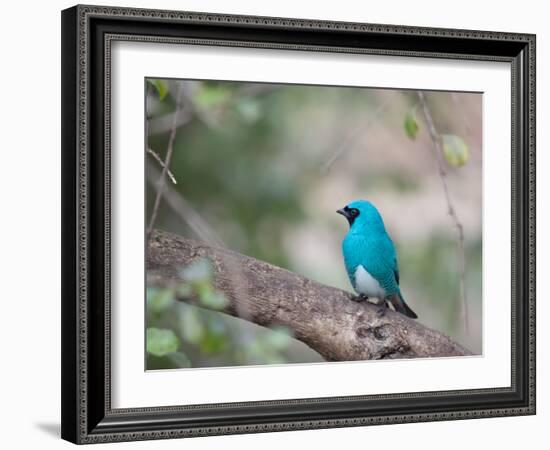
(344, 212)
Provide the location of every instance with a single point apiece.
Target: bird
(370, 257)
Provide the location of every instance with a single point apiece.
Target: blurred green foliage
(248, 158)
(441, 290)
(180, 334)
(161, 342)
(411, 124)
(455, 150)
(161, 86)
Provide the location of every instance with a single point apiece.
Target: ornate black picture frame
(87, 34)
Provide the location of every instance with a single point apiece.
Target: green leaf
(216, 338)
(160, 86)
(198, 271)
(161, 342)
(191, 325)
(212, 299)
(455, 150)
(411, 124)
(159, 300)
(213, 344)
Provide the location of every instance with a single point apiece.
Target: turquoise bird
(370, 257)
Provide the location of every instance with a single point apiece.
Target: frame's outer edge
(76, 181)
(530, 148)
(294, 23)
(69, 199)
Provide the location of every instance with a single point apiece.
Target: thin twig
(190, 216)
(438, 153)
(161, 162)
(352, 136)
(183, 208)
(167, 159)
(162, 124)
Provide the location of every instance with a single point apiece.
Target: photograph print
(297, 224)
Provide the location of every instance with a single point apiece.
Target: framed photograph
(281, 224)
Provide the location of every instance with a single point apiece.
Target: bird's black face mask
(349, 213)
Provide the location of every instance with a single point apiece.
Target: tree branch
(322, 317)
(438, 152)
(185, 211)
(166, 165)
(161, 163)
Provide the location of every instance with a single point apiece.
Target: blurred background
(262, 168)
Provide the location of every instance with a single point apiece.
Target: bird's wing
(376, 255)
(393, 262)
(383, 264)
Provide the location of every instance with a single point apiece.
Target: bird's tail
(399, 304)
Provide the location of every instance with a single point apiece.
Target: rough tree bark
(324, 318)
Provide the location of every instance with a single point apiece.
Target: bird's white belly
(366, 284)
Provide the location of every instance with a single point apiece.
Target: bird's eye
(354, 212)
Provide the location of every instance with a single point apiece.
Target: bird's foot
(360, 298)
(382, 308)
